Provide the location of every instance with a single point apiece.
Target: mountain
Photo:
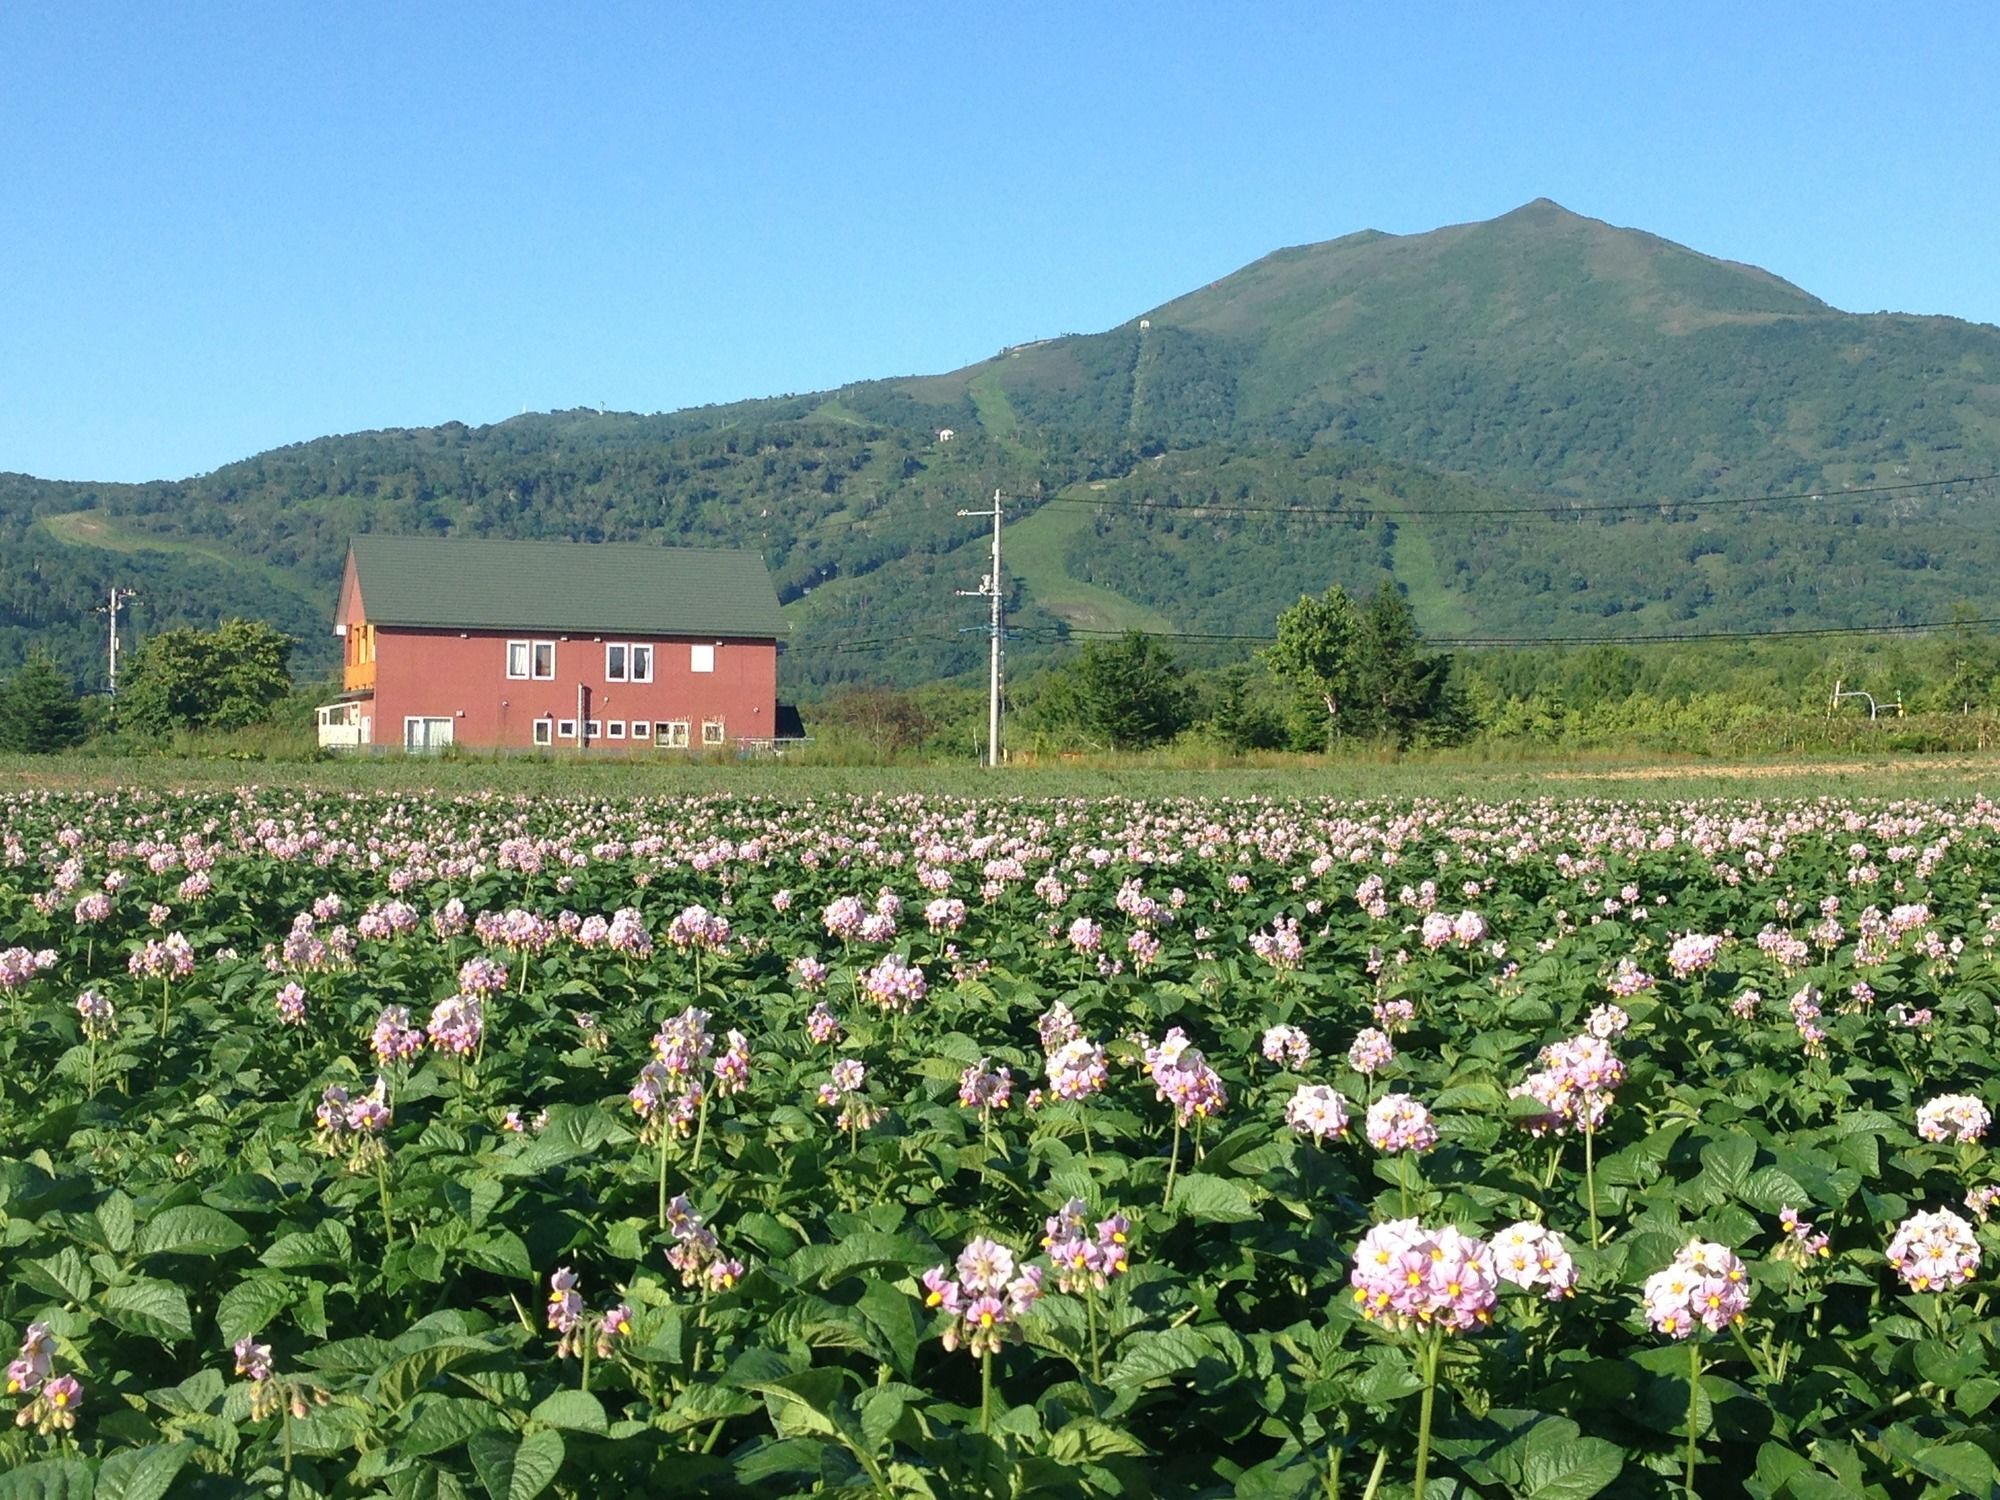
(1535, 359)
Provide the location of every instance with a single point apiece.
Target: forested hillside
(1330, 414)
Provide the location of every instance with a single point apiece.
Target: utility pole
(118, 597)
(993, 588)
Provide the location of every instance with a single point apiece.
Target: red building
(554, 645)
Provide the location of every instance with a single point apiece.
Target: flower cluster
(732, 1069)
(353, 1122)
(1933, 1252)
(696, 929)
(1281, 947)
(1953, 1117)
(981, 1087)
(19, 965)
(1086, 1256)
(573, 1324)
(1802, 1244)
(1183, 1078)
(456, 1025)
(1372, 1052)
(1531, 1255)
(843, 1092)
(1317, 1111)
(1287, 1046)
(987, 1299)
(1705, 1287)
(1693, 954)
(1573, 1086)
(895, 984)
(394, 1039)
(98, 1014)
(290, 1004)
(822, 1025)
(1405, 1275)
(1076, 1069)
(170, 957)
(1396, 1122)
(53, 1398)
(696, 1253)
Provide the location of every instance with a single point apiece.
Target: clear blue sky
(230, 227)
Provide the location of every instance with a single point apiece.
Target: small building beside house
(554, 646)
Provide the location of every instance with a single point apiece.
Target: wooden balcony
(357, 676)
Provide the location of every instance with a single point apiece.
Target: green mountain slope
(1537, 355)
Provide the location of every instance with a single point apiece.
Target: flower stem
(1090, 1314)
(1694, 1401)
(1590, 1180)
(583, 1354)
(1432, 1344)
(700, 1131)
(986, 1393)
(382, 1182)
(1173, 1164)
(661, 1124)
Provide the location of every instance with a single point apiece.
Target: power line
(1662, 637)
(1380, 512)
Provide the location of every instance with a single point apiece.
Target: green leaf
(191, 1229)
(1572, 1470)
(1156, 1355)
(895, 1314)
(500, 1251)
(1220, 1200)
(1728, 1162)
(62, 1276)
(398, 1383)
(1966, 1467)
(247, 1308)
(156, 1309)
(443, 1422)
(516, 1471)
(114, 1222)
(578, 1411)
(142, 1473)
(51, 1479)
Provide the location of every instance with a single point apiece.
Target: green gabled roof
(577, 587)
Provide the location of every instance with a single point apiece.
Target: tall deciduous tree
(39, 711)
(224, 678)
(1316, 655)
(1400, 688)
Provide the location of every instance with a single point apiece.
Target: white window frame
(593, 729)
(527, 650)
(565, 729)
(545, 731)
(614, 729)
(642, 729)
(701, 657)
(632, 650)
(429, 746)
(672, 734)
(719, 736)
(624, 661)
(535, 661)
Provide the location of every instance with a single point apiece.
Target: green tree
(1125, 694)
(1400, 689)
(39, 710)
(224, 678)
(1316, 656)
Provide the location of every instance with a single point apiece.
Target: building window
(593, 729)
(671, 736)
(545, 660)
(615, 730)
(614, 663)
(544, 731)
(642, 729)
(711, 731)
(517, 659)
(565, 729)
(701, 659)
(641, 660)
(625, 661)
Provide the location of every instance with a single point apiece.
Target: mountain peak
(1541, 211)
